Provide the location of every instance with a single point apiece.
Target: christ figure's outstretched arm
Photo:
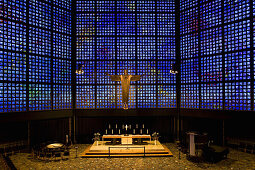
(136, 77)
(114, 77)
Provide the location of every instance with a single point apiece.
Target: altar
(127, 139)
(128, 147)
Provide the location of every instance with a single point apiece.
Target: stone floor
(236, 160)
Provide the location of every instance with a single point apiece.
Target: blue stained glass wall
(35, 55)
(116, 35)
(216, 54)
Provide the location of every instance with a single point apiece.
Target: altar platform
(148, 149)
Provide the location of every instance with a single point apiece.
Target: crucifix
(125, 85)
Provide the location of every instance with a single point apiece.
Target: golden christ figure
(125, 84)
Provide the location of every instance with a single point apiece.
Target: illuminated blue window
(61, 46)
(12, 97)
(211, 68)
(85, 6)
(146, 6)
(189, 21)
(165, 6)
(146, 24)
(190, 96)
(166, 48)
(105, 24)
(85, 97)
(105, 6)
(85, 25)
(166, 24)
(125, 48)
(211, 41)
(85, 48)
(148, 69)
(12, 66)
(146, 96)
(146, 48)
(238, 96)
(62, 97)
(106, 96)
(126, 6)
(254, 27)
(129, 65)
(61, 71)
(88, 77)
(14, 10)
(61, 20)
(185, 4)
(212, 96)
(39, 97)
(105, 48)
(210, 14)
(39, 41)
(237, 36)
(237, 66)
(104, 67)
(13, 36)
(65, 3)
(189, 46)
(39, 69)
(125, 24)
(166, 96)
(39, 14)
(164, 75)
(190, 71)
(236, 10)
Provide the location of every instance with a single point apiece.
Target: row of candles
(126, 128)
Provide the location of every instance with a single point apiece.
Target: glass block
(105, 97)
(85, 97)
(211, 69)
(166, 96)
(238, 96)
(190, 96)
(212, 96)
(146, 96)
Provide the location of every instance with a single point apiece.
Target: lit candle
(112, 131)
(141, 131)
(126, 127)
(116, 126)
(66, 138)
(106, 131)
(134, 131)
(147, 131)
(119, 131)
(130, 127)
(109, 126)
(136, 126)
(122, 126)
(143, 126)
